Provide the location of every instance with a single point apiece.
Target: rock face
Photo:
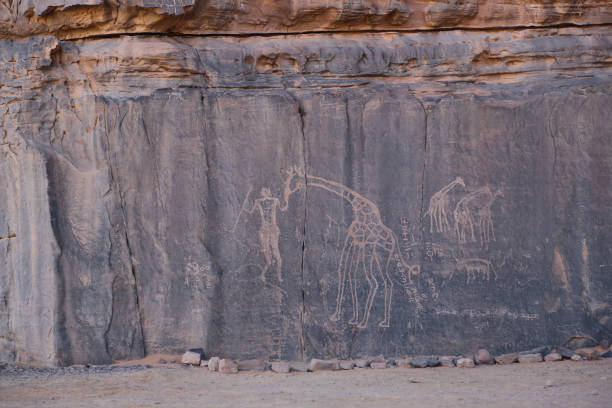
(333, 193)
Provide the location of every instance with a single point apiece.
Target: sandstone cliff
(299, 178)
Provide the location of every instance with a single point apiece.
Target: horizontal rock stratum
(303, 179)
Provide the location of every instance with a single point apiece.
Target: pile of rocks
(195, 357)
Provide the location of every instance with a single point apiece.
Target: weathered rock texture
(303, 195)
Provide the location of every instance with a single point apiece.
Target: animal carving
(368, 248)
(438, 204)
(473, 216)
(475, 268)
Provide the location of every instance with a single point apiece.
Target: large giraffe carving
(369, 247)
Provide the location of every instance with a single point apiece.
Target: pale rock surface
(465, 363)
(508, 358)
(227, 366)
(191, 358)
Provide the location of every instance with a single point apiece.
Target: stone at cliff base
(378, 365)
(403, 363)
(530, 358)
(482, 356)
(565, 352)
(251, 365)
(322, 365)
(607, 354)
(282, 367)
(204, 363)
(507, 358)
(362, 363)
(419, 362)
(576, 357)
(553, 357)
(447, 361)
(299, 367)
(433, 361)
(588, 353)
(213, 364)
(347, 365)
(191, 358)
(227, 366)
(465, 363)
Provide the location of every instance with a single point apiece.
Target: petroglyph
(368, 248)
(269, 232)
(474, 268)
(438, 205)
(473, 216)
(198, 276)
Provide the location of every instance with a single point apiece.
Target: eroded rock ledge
(82, 18)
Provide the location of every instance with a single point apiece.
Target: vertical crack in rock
(115, 182)
(424, 169)
(303, 311)
(110, 320)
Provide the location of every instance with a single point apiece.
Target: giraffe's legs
(345, 261)
(368, 265)
(388, 284)
(353, 265)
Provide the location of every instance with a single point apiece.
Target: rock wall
(300, 179)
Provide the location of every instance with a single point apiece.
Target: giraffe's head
(460, 181)
(295, 180)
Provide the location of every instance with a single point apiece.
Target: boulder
(281, 367)
(419, 362)
(607, 354)
(447, 361)
(576, 357)
(322, 365)
(482, 356)
(362, 363)
(507, 358)
(465, 362)
(346, 365)
(251, 365)
(588, 353)
(213, 364)
(403, 362)
(530, 358)
(227, 366)
(553, 357)
(191, 358)
(379, 365)
(565, 352)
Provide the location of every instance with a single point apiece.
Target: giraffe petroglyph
(437, 207)
(368, 247)
(473, 213)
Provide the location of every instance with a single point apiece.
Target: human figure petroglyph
(473, 214)
(438, 205)
(475, 268)
(368, 247)
(269, 232)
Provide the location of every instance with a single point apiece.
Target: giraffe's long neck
(333, 187)
(450, 186)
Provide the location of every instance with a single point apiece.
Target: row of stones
(482, 357)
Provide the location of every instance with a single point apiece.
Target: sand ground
(559, 384)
